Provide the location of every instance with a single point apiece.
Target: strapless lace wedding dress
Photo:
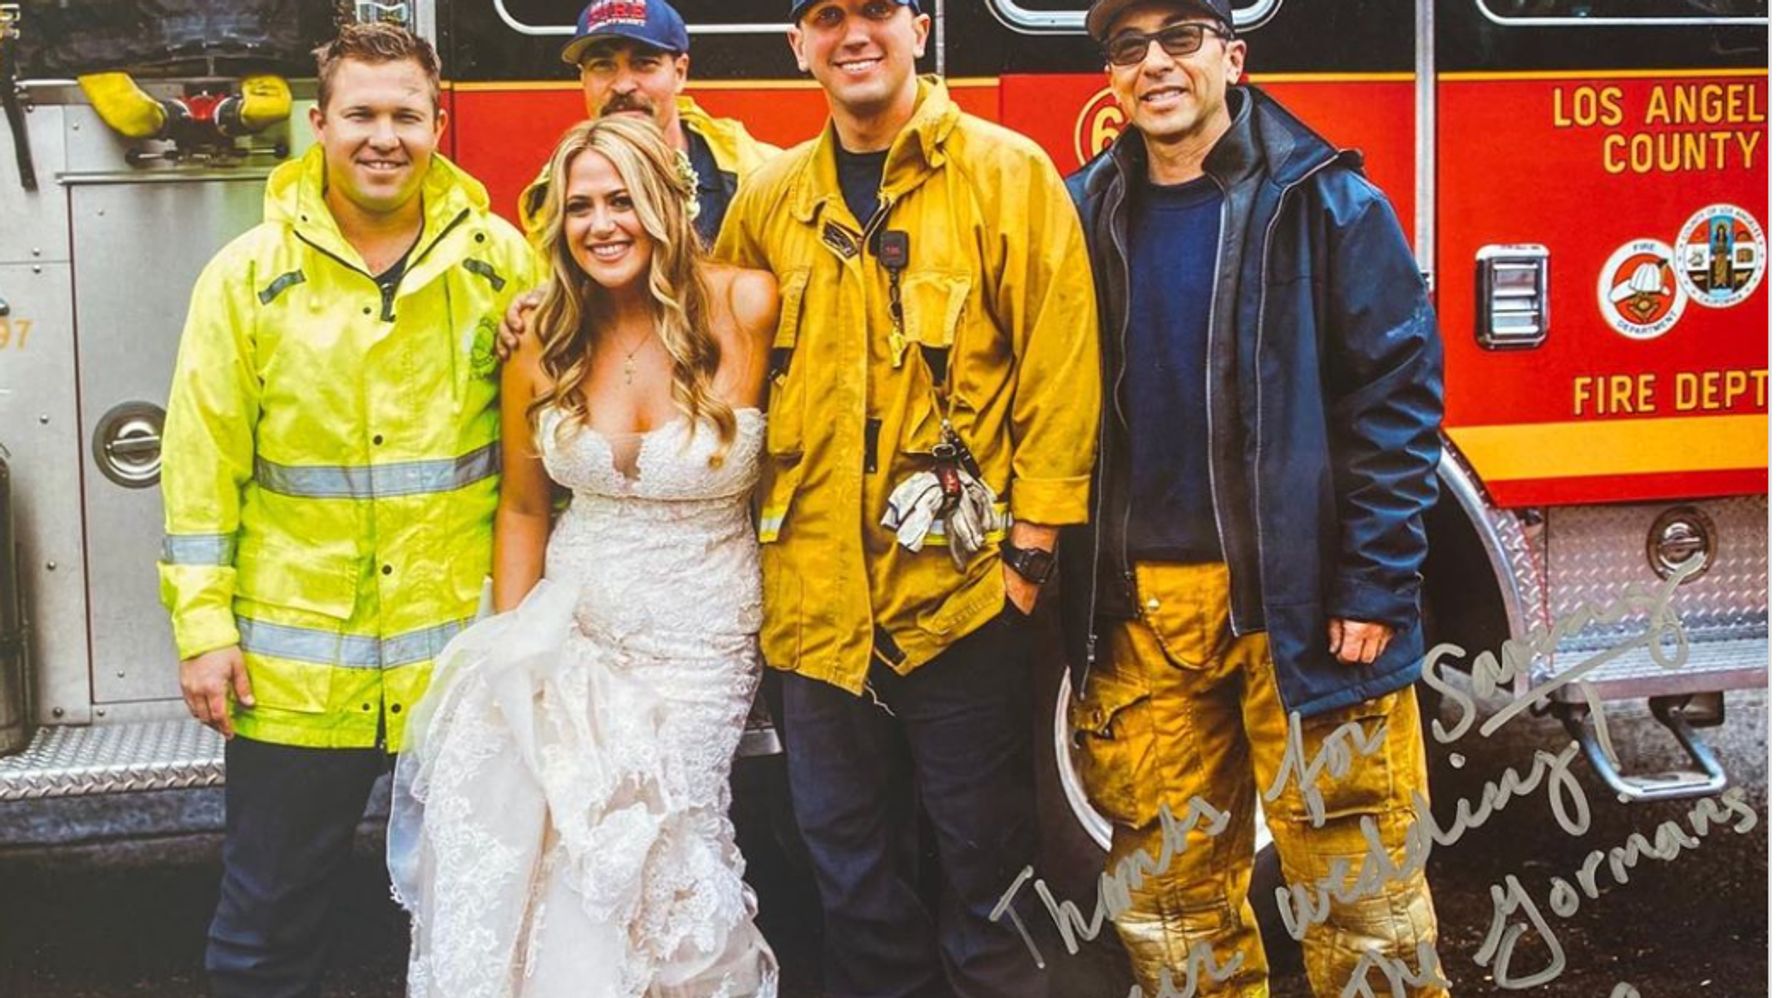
(560, 824)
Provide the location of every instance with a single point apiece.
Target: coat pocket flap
(1096, 713)
(933, 303)
(298, 579)
(787, 393)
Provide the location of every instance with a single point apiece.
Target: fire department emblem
(483, 361)
(1098, 126)
(1639, 292)
(1722, 255)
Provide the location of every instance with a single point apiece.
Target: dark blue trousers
(956, 733)
(291, 815)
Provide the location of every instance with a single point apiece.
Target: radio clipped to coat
(948, 498)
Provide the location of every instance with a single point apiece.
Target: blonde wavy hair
(576, 309)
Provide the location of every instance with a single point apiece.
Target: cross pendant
(629, 369)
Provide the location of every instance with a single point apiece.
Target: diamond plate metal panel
(1597, 555)
(1738, 663)
(154, 755)
(1523, 543)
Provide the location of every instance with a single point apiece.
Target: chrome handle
(127, 444)
(1512, 296)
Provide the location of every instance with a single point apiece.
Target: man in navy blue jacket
(1249, 590)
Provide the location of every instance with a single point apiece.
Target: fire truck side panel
(1602, 162)
(1651, 383)
(1597, 554)
(37, 407)
(39, 420)
(501, 135)
(129, 337)
(1634, 157)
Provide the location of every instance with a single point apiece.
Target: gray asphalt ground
(127, 918)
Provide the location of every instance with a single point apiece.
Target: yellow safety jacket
(331, 456)
(737, 154)
(998, 290)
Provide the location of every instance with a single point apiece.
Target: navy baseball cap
(798, 6)
(652, 22)
(1104, 12)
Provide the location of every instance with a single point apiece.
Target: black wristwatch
(1035, 564)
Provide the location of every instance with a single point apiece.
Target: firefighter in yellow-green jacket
(330, 477)
(634, 58)
(932, 414)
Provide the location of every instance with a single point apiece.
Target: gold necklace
(630, 357)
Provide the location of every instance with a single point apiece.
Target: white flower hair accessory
(688, 184)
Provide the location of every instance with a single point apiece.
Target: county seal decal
(1639, 292)
(1722, 256)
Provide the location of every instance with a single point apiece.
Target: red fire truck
(1584, 183)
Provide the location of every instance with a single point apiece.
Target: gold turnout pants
(1179, 709)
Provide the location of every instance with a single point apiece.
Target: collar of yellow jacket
(295, 196)
(918, 150)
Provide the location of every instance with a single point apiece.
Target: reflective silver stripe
(198, 549)
(378, 481)
(304, 644)
(348, 651)
(418, 646)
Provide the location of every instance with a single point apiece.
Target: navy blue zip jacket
(1326, 388)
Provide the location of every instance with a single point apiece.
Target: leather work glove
(957, 500)
(912, 507)
(967, 527)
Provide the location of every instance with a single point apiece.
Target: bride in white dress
(560, 825)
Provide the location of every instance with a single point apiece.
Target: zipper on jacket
(877, 218)
(392, 290)
(1104, 452)
(1222, 226)
(1259, 342)
(1123, 368)
(387, 293)
(452, 224)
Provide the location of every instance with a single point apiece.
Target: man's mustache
(624, 102)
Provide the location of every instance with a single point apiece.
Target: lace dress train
(560, 824)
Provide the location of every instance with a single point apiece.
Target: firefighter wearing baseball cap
(934, 376)
(1249, 594)
(634, 58)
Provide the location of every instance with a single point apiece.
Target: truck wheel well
(1461, 597)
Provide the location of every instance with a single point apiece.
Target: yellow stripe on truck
(1613, 447)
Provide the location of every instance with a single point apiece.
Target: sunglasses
(1131, 47)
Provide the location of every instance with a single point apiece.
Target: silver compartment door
(39, 429)
(38, 420)
(138, 248)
